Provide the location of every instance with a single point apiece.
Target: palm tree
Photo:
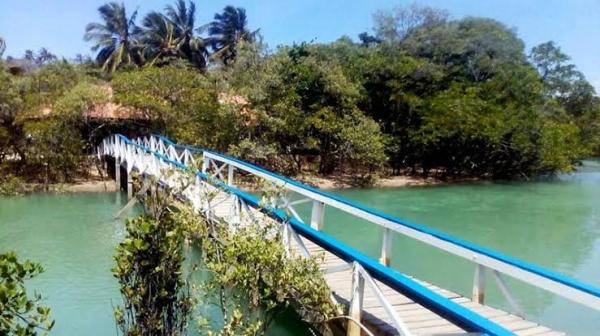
(115, 38)
(172, 35)
(183, 18)
(160, 39)
(227, 30)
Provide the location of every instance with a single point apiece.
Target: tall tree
(183, 18)
(227, 30)
(160, 40)
(42, 57)
(394, 25)
(564, 82)
(115, 38)
(171, 35)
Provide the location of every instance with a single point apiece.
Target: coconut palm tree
(160, 39)
(184, 18)
(227, 30)
(172, 36)
(115, 38)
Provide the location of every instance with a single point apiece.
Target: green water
(74, 237)
(553, 223)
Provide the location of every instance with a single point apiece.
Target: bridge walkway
(384, 300)
(418, 319)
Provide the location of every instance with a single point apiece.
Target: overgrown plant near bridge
(149, 267)
(257, 277)
(21, 313)
(253, 276)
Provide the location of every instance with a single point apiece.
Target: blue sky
(59, 24)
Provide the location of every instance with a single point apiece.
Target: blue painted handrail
(453, 312)
(543, 272)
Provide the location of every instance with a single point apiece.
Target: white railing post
(386, 247)
(230, 169)
(205, 164)
(479, 284)
(317, 215)
(356, 302)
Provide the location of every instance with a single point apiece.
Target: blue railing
(453, 312)
(495, 255)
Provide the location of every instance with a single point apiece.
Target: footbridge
(378, 299)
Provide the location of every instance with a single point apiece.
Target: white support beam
(317, 215)
(118, 173)
(479, 284)
(129, 186)
(386, 247)
(205, 164)
(356, 302)
(514, 305)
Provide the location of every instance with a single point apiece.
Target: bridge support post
(105, 164)
(317, 215)
(479, 284)
(386, 247)
(118, 173)
(356, 303)
(129, 186)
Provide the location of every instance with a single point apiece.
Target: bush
(11, 185)
(21, 314)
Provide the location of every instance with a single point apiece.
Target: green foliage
(20, 313)
(426, 94)
(181, 103)
(149, 270)
(114, 37)
(11, 185)
(228, 29)
(257, 278)
(305, 105)
(55, 145)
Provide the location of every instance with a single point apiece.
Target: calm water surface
(74, 237)
(554, 223)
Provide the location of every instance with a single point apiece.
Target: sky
(59, 24)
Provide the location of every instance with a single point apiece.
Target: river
(554, 223)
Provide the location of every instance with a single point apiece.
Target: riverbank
(347, 181)
(96, 183)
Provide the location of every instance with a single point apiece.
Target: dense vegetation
(424, 94)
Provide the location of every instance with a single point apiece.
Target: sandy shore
(96, 184)
(341, 182)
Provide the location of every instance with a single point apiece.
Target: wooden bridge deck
(419, 320)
